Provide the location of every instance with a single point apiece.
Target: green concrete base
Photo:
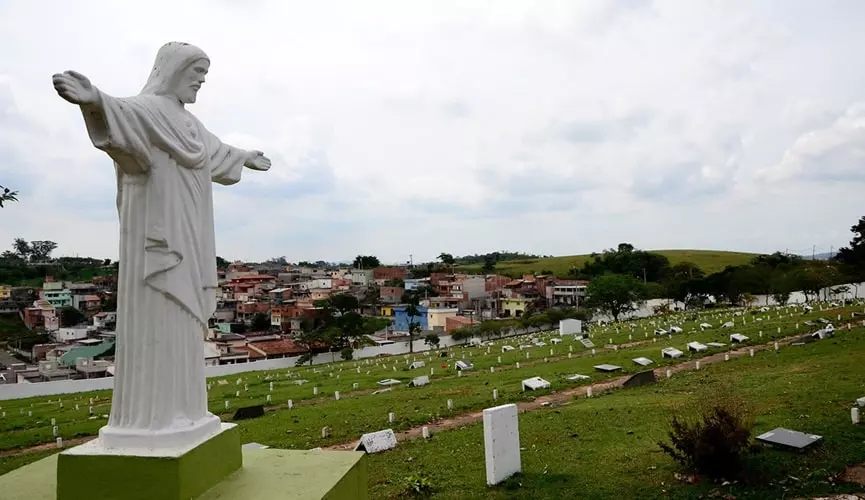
(266, 474)
(85, 474)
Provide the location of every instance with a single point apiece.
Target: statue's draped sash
(165, 161)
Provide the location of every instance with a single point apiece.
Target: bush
(417, 485)
(347, 353)
(714, 443)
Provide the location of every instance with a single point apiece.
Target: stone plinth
(90, 471)
(266, 473)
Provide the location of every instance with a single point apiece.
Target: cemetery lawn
(817, 381)
(606, 446)
(710, 261)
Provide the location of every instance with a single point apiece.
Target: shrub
(714, 443)
(417, 485)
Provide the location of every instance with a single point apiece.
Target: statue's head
(179, 71)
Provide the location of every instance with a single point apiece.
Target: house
(92, 368)
(383, 274)
(280, 295)
(104, 319)
(454, 322)
(391, 294)
(401, 318)
(361, 277)
(70, 334)
(272, 349)
(437, 318)
(57, 298)
(246, 310)
(5, 292)
(411, 284)
(212, 353)
(565, 293)
(514, 307)
(102, 350)
(87, 304)
(41, 315)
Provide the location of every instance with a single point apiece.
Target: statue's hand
(258, 161)
(75, 88)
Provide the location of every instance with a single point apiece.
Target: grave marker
(501, 443)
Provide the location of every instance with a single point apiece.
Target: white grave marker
(501, 443)
(374, 442)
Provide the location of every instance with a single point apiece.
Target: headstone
(495, 394)
(336, 395)
(374, 442)
(450, 404)
(419, 381)
(788, 438)
(639, 379)
(247, 412)
(501, 443)
(391, 417)
(535, 383)
(290, 404)
(696, 347)
(671, 352)
(854, 415)
(424, 432)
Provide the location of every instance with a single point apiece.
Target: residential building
(454, 322)
(565, 293)
(70, 334)
(5, 292)
(87, 304)
(514, 306)
(391, 294)
(361, 277)
(272, 349)
(57, 298)
(437, 318)
(104, 319)
(383, 274)
(401, 318)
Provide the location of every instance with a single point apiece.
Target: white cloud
(402, 128)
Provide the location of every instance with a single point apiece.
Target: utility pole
(814, 252)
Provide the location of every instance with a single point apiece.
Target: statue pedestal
(267, 473)
(92, 471)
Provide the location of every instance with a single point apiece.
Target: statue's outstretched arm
(75, 88)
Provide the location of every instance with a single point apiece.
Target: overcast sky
(406, 127)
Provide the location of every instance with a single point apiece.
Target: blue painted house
(401, 319)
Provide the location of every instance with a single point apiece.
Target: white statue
(165, 160)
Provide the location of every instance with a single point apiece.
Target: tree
(447, 259)
(260, 322)
(41, 250)
(412, 312)
(69, 316)
(344, 303)
(366, 262)
(432, 340)
(221, 263)
(853, 256)
(7, 194)
(615, 294)
(22, 248)
(489, 263)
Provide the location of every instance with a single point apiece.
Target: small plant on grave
(715, 441)
(417, 485)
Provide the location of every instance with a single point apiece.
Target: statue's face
(190, 80)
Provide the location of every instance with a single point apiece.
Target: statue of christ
(165, 161)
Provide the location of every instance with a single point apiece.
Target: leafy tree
(41, 250)
(347, 353)
(69, 316)
(414, 328)
(625, 259)
(853, 256)
(432, 340)
(489, 263)
(447, 259)
(221, 263)
(781, 285)
(615, 294)
(7, 194)
(366, 262)
(22, 248)
(344, 303)
(260, 322)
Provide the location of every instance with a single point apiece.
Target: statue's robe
(165, 161)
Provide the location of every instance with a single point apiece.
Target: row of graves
(539, 361)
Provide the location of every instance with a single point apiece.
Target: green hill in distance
(710, 261)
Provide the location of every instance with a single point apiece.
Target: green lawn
(358, 411)
(710, 261)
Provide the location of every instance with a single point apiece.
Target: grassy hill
(710, 261)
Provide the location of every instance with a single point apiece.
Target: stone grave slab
(575, 377)
(697, 347)
(607, 367)
(535, 383)
(642, 361)
(671, 352)
(716, 344)
(790, 439)
(675, 329)
(420, 381)
(507, 348)
(463, 365)
(375, 442)
(728, 324)
(501, 443)
(587, 342)
(738, 338)
(642, 378)
(388, 381)
(417, 364)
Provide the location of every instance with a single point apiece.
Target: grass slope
(710, 261)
